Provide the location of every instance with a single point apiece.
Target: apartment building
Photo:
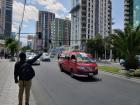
(89, 17)
(44, 28)
(61, 31)
(131, 12)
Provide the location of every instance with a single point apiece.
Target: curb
(121, 76)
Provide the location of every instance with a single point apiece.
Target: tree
(12, 45)
(95, 46)
(127, 43)
(8, 41)
(107, 45)
(25, 48)
(90, 46)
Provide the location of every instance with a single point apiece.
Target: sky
(118, 13)
(61, 9)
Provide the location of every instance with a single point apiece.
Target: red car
(78, 64)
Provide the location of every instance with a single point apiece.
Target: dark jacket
(18, 65)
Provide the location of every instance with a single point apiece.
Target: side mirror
(74, 60)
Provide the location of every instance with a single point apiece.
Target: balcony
(76, 8)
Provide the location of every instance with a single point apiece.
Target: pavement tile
(9, 91)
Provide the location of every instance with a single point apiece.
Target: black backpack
(26, 72)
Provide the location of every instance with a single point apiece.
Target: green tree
(95, 46)
(12, 45)
(25, 48)
(127, 43)
(8, 41)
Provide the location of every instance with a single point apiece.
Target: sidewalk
(8, 89)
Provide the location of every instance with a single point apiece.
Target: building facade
(43, 26)
(67, 32)
(30, 41)
(38, 42)
(132, 12)
(61, 31)
(5, 18)
(89, 17)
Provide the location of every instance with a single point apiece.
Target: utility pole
(18, 42)
(20, 29)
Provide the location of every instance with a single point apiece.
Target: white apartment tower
(89, 17)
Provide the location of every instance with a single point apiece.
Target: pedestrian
(23, 74)
(5, 55)
(58, 56)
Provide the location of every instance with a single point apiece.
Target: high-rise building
(44, 28)
(132, 12)
(38, 41)
(5, 18)
(89, 17)
(61, 31)
(67, 31)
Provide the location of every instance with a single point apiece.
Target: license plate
(90, 74)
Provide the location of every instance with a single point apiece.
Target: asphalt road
(52, 87)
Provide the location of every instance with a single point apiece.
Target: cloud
(68, 16)
(14, 27)
(31, 13)
(53, 6)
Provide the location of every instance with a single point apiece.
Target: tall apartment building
(38, 40)
(67, 31)
(132, 12)
(44, 27)
(89, 17)
(61, 30)
(5, 18)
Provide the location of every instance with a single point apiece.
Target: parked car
(125, 64)
(45, 57)
(122, 61)
(78, 64)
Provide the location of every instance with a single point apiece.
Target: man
(24, 78)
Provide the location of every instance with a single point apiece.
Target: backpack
(26, 72)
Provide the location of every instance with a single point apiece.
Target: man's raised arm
(31, 61)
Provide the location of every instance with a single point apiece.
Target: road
(52, 87)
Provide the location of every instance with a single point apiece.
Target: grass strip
(116, 70)
(110, 69)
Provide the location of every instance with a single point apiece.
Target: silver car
(45, 57)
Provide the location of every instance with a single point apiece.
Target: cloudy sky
(60, 7)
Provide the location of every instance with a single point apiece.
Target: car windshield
(84, 58)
